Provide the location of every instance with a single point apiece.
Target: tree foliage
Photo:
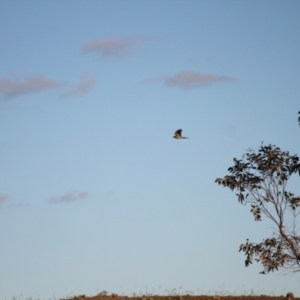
(260, 179)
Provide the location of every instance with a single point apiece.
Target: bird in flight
(177, 135)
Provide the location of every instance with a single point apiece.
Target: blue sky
(95, 194)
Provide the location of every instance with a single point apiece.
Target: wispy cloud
(10, 89)
(83, 87)
(5, 107)
(189, 79)
(68, 197)
(3, 198)
(115, 47)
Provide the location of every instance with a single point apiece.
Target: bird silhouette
(177, 135)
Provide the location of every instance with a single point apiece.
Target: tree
(260, 179)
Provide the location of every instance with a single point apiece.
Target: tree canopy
(260, 180)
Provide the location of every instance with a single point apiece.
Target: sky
(95, 194)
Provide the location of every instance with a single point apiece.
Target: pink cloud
(83, 87)
(114, 47)
(3, 198)
(68, 197)
(189, 79)
(11, 89)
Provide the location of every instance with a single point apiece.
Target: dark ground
(180, 297)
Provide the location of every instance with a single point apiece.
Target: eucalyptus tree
(260, 179)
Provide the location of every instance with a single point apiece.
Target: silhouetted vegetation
(217, 296)
(260, 179)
